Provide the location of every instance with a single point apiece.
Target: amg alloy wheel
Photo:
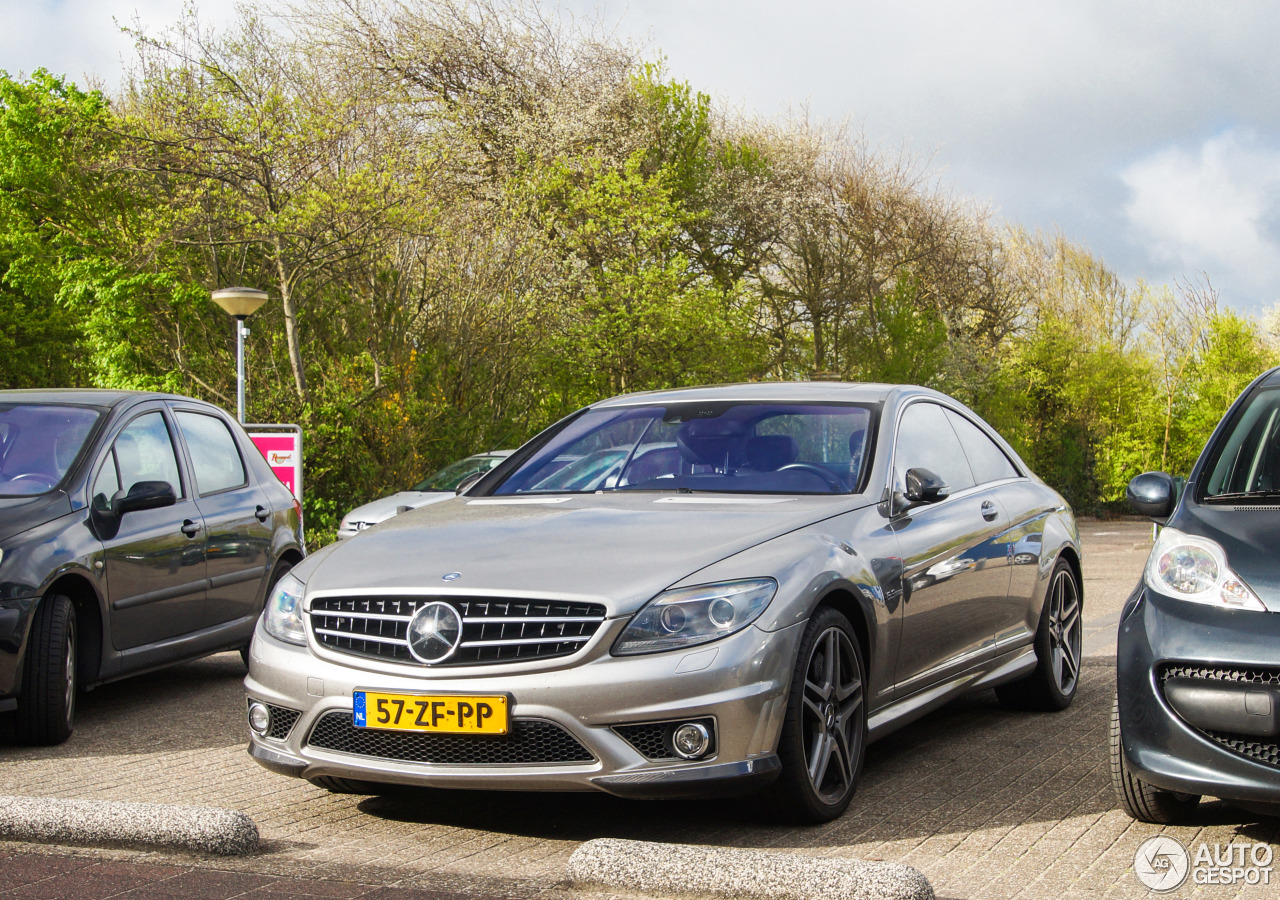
(1058, 644)
(824, 734)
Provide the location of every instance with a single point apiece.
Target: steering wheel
(832, 480)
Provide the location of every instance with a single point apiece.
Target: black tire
(1139, 799)
(1058, 645)
(47, 702)
(282, 568)
(824, 732)
(335, 785)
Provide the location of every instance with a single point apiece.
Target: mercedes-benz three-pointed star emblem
(434, 632)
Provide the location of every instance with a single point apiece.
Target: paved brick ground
(987, 803)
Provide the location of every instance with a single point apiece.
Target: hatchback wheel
(824, 734)
(1140, 800)
(47, 703)
(1058, 645)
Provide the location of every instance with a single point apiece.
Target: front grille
(494, 630)
(653, 739)
(530, 742)
(1247, 745)
(282, 721)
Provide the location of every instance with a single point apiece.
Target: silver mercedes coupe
(709, 591)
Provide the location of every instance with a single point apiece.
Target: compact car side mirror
(465, 483)
(144, 495)
(1152, 494)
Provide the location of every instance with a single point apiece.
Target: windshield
(38, 444)
(1245, 460)
(720, 446)
(448, 478)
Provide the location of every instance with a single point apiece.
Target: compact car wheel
(47, 703)
(1058, 645)
(824, 734)
(1140, 800)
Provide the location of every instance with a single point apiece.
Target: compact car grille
(1244, 744)
(653, 739)
(530, 742)
(493, 630)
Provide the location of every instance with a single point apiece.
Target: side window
(144, 452)
(105, 484)
(215, 459)
(985, 458)
(926, 440)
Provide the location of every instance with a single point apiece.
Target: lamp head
(240, 302)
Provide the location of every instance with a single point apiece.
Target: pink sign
(282, 454)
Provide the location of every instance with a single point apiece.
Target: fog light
(691, 740)
(259, 718)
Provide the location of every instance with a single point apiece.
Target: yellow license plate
(436, 713)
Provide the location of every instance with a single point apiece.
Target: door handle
(189, 528)
(989, 511)
(262, 513)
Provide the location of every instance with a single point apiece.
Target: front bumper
(1199, 695)
(575, 720)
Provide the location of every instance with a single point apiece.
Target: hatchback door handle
(262, 513)
(989, 511)
(189, 528)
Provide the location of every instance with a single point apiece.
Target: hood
(385, 508)
(1250, 535)
(19, 514)
(620, 549)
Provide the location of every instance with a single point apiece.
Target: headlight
(686, 617)
(1195, 568)
(283, 615)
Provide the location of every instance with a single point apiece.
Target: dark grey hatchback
(137, 530)
(1198, 658)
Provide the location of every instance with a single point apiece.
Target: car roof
(101, 397)
(772, 392)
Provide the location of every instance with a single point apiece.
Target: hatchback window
(215, 460)
(1245, 460)
(721, 447)
(144, 452)
(39, 443)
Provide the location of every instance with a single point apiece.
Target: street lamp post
(240, 303)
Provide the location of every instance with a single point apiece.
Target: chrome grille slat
(494, 630)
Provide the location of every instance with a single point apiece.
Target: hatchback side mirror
(1152, 494)
(144, 495)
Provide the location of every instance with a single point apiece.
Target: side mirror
(1152, 494)
(143, 495)
(466, 483)
(922, 487)
(925, 487)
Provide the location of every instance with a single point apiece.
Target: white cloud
(1212, 208)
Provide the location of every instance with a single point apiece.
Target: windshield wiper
(1243, 495)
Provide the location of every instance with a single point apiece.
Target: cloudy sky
(1148, 130)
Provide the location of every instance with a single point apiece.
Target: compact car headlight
(686, 617)
(283, 615)
(1195, 568)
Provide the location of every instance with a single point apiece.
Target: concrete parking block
(103, 823)
(654, 868)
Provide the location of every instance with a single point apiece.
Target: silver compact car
(708, 591)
